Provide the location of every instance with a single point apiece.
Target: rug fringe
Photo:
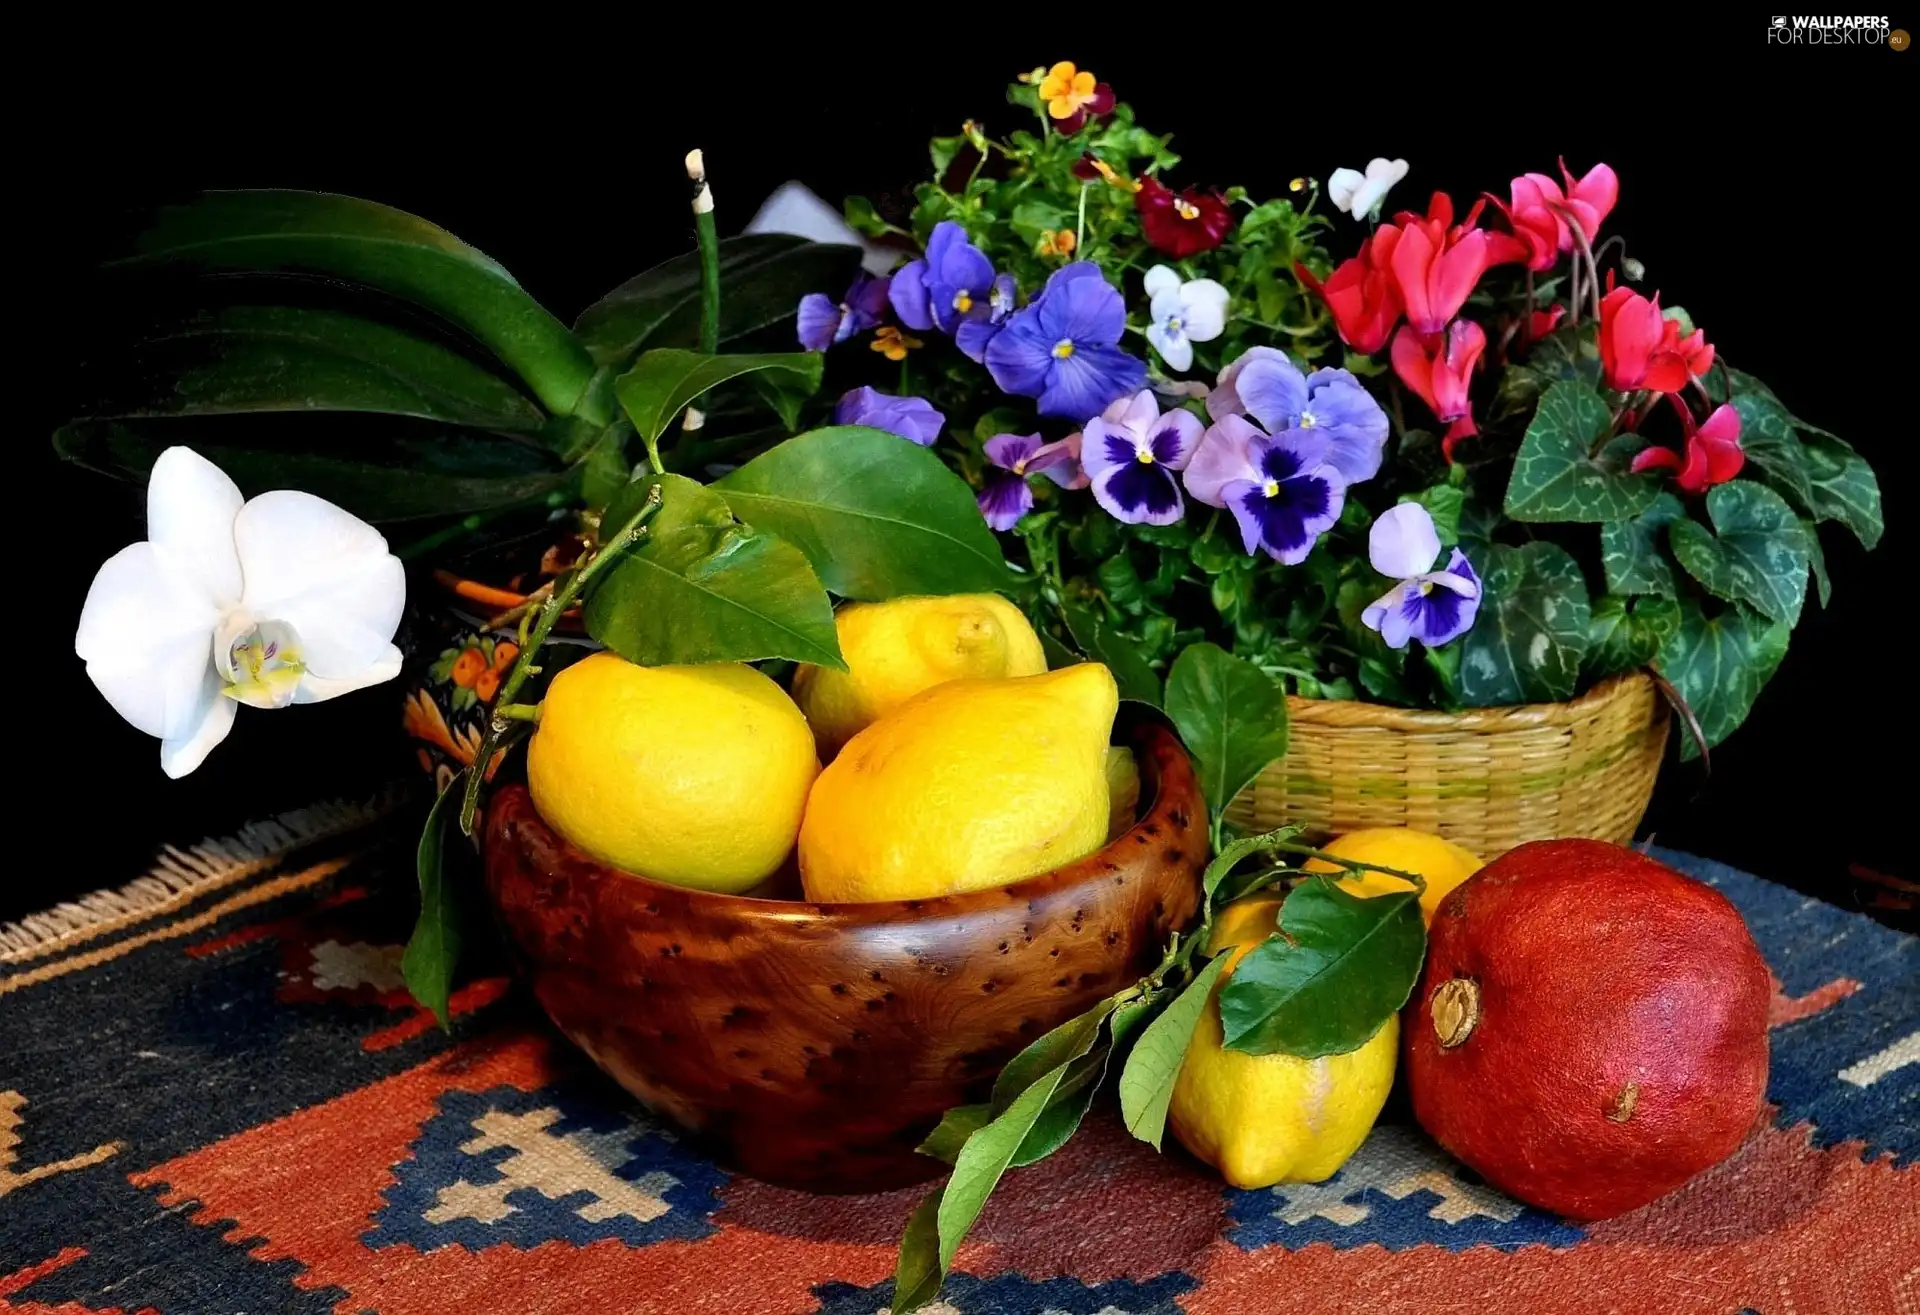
(180, 875)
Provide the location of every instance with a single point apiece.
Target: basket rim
(1356, 713)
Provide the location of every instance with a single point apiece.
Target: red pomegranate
(1591, 1028)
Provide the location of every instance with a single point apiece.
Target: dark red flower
(1182, 224)
(1098, 108)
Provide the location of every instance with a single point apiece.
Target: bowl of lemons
(803, 925)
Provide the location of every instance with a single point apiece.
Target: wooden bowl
(815, 1045)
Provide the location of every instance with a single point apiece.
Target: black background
(1761, 187)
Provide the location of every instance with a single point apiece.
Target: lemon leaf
(1232, 715)
(1342, 966)
(434, 948)
(1146, 1084)
(1062, 1045)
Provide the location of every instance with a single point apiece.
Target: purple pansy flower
(1283, 489)
(910, 417)
(977, 330)
(953, 282)
(1431, 606)
(1063, 346)
(1005, 496)
(824, 322)
(1263, 383)
(1130, 452)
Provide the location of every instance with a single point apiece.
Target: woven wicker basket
(1487, 778)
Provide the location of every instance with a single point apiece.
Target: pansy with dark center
(1005, 495)
(824, 322)
(1283, 489)
(1131, 451)
(1263, 383)
(1063, 346)
(1434, 607)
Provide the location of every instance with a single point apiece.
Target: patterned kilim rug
(215, 1095)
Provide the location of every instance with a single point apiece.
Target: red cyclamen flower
(1440, 372)
(1714, 455)
(1642, 348)
(1182, 224)
(1361, 294)
(1437, 263)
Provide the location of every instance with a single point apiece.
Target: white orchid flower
(1362, 194)
(284, 599)
(1183, 314)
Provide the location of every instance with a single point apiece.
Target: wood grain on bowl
(814, 1045)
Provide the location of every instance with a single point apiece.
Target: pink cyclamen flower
(1538, 210)
(1714, 454)
(1438, 263)
(1440, 372)
(1640, 347)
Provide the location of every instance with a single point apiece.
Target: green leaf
(919, 1272)
(1132, 672)
(347, 238)
(1556, 477)
(1527, 642)
(976, 1172)
(1844, 487)
(862, 218)
(877, 516)
(1065, 1111)
(1719, 665)
(1342, 967)
(1146, 1084)
(1627, 634)
(762, 278)
(1062, 1045)
(1817, 560)
(1767, 437)
(1232, 715)
(1756, 555)
(943, 151)
(1443, 502)
(1234, 851)
(1630, 550)
(663, 382)
(287, 358)
(448, 473)
(958, 1124)
(785, 393)
(605, 469)
(702, 587)
(434, 948)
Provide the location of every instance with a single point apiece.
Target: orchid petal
(1403, 542)
(182, 753)
(146, 635)
(326, 573)
(318, 689)
(191, 504)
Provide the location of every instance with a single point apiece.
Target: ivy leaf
(877, 516)
(1531, 633)
(1630, 550)
(1756, 553)
(1844, 487)
(1131, 671)
(1719, 664)
(702, 587)
(1146, 1084)
(434, 948)
(1555, 475)
(1817, 561)
(1232, 715)
(663, 382)
(1767, 437)
(1627, 634)
(1443, 502)
(1341, 968)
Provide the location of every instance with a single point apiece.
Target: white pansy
(1183, 314)
(1362, 194)
(284, 599)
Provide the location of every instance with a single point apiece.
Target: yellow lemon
(1443, 863)
(1123, 791)
(974, 783)
(691, 775)
(1266, 1119)
(897, 649)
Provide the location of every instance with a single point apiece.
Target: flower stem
(556, 605)
(1350, 864)
(709, 240)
